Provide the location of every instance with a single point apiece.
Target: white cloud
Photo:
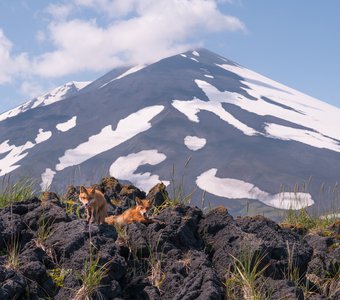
(10, 64)
(59, 11)
(133, 32)
(31, 89)
(155, 28)
(114, 8)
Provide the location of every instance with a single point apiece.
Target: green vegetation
(123, 238)
(292, 273)
(91, 277)
(178, 194)
(58, 275)
(19, 191)
(303, 219)
(156, 274)
(13, 253)
(241, 279)
(44, 231)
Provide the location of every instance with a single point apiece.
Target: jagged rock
(282, 289)
(49, 196)
(224, 238)
(278, 244)
(191, 276)
(158, 194)
(72, 193)
(110, 186)
(318, 243)
(131, 192)
(12, 285)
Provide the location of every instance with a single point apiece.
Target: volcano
(196, 121)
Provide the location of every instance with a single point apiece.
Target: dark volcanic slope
(248, 137)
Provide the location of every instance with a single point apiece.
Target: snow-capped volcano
(249, 138)
(60, 93)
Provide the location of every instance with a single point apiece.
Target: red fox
(95, 204)
(133, 214)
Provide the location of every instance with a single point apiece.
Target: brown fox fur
(95, 204)
(133, 214)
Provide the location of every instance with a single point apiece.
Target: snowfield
(237, 189)
(124, 168)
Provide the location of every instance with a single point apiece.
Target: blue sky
(44, 44)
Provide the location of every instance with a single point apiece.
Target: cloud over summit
(97, 35)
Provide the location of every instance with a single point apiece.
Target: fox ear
(138, 201)
(92, 191)
(83, 189)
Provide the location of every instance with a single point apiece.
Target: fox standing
(95, 204)
(137, 213)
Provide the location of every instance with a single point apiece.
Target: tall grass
(242, 277)
(316, 218)
(178, 195)
(15, 192)
(155, 268)
(13, 253)
(44, 231)
(91, 277)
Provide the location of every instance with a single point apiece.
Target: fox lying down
(137, 213)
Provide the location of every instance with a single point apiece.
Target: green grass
(15, 192)
(123, 238)
(13, 253)
(44, 231)
(177, 196)
(241, 279)
(91, 277)
(305, 220)
(58, 275)
(155, 271)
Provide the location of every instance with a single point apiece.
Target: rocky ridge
(186, 254)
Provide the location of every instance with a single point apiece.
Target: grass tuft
(58, 275)
(13, 254)
(303, 219)
(242, 277)
(44, 231)
(91, 277)
(15, 192)
(155, 270)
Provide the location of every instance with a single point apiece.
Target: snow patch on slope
(124, 168)
(67, 125)
(128, 72)
(195, 53)
(46, 179)
(17, 153)
(193, 107)
(194, 59)
(108, 138)
(194, 143)
(238, 189)
(321, 118)
(42, 136)
(308, 137)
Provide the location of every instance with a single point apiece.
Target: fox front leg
(91, 212)
(87, 214)
(97, 215)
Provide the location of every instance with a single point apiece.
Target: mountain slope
(60, 93)
(249, 137)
